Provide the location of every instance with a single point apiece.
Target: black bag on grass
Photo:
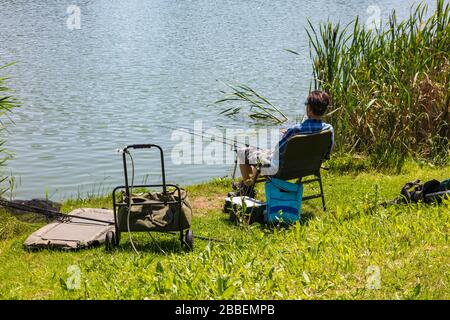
(428, 192)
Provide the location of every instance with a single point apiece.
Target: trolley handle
(143, 146)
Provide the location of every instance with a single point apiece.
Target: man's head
(317, 103)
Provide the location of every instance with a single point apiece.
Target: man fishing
(316, 106)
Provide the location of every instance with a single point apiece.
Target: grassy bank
(328, 255)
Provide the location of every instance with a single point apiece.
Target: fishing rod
(65, 217)
(202, 133)
(233, 145)
(204, 238)
(46, 212)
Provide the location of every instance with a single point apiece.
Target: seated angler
(316, 106)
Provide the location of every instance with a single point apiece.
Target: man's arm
(331, 145)
(287, 134)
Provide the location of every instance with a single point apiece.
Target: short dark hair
(318, 101)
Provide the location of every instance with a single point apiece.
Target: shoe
(236, 185)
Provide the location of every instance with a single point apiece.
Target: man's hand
(283, 131)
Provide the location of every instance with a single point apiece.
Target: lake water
(136, 64)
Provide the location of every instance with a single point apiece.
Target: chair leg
(322, 195)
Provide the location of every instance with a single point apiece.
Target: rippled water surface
(136, 64)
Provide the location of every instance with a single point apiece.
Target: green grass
(326, 256)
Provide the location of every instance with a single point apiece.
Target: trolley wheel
(110, 241)
(189, 240)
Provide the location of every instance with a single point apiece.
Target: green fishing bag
(151, 214)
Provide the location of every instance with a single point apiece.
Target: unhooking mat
(73, 233)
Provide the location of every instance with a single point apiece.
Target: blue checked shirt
(309, 126)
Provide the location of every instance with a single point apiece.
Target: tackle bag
(428, 192)
(248, 209)
(283, 201)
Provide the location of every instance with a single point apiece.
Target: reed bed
(390, 86)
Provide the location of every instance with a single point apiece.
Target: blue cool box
(284, 201)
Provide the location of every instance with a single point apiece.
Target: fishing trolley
(167, 211)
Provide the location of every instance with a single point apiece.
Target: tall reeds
(252, 104)
(390, 86)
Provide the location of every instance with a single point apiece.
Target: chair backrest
(304, 155)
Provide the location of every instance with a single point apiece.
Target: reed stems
(390, 86)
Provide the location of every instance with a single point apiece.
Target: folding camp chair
(303, 157)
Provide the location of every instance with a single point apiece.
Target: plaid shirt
(309, 126)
